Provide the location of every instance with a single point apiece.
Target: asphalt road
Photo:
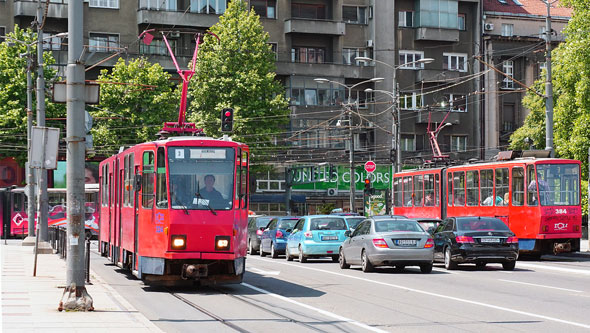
(547, 295)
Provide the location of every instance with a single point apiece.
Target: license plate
(406, 242)
(327, 238)
(490, 240)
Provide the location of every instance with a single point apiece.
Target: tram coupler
(562, 247)
(193, 271)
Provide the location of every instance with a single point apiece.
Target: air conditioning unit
(332, 192)
(488, 26)
(369, 43)
(174, 34)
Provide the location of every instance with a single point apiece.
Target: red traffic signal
(367, 184)
(227, 119)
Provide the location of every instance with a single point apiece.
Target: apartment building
(514, 42)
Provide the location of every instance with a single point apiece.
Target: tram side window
(18, 201)
(487, 187)
(244, 191)
(408, 191)
(397, 192)
(517, 186)
(450, 188)
(126, 181)
(418, 191)
(161, 188)
(532, 197)
(472, 188)
(104, 188)
(429, 190)
(131, 178)
(436, 190)
(459, 188)
(147, 180)
(501, 187)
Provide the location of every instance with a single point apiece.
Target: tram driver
(210, 193)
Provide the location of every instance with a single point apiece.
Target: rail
(58, 239)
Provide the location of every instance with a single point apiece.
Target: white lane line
(261, 272)
(552, 268)
(496, 307)
(324, 312)
(542, 286)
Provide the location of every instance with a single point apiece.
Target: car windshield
(397, 225)
(263, 221)
(426, 225)
(327, 223)
(354, 221)
(482, 225)
(559, 184)
(287, 223)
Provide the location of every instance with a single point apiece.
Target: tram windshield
(559, 184)
(201, 178)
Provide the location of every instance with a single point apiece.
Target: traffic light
(227, 119)
(367, 185)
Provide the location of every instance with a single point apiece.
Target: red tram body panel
(539, 199)
(177, 209)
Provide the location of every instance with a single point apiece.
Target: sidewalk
(29, 304)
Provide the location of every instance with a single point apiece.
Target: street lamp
(395, 96)
(349, 110)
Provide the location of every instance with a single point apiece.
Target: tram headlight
(178, 242)
(222, 243)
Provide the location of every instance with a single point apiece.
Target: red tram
(539, 199)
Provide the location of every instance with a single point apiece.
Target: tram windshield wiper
(200, 197)
(184, 208)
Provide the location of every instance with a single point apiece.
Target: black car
(477, 240)
(256, 225)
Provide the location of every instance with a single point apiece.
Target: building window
(349, 55)
(53, 43)
(208, 6)
(542, 68)
(305, 91)
(113, 4)
(410, 58)
(274, 47)
(157, 47)
(314, 55)
(408, 142)
(458, 143)
(405, 19)
(437, 13)
(166, 5)
(2, 33)
(507, 30)
(264, 8)
(457, 102)
(354, 14)
(411, 101)
(103, 42)
(308, 11)
(461, 22)
(455, 62)
(508, 68)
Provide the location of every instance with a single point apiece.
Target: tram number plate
(406, 242)
(490, 240)
(326, 238)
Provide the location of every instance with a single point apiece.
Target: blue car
(274, 236)
(316, 236)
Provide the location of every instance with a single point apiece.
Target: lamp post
(395, 96)
(350, 132)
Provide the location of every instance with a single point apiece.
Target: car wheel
(288, 255)
(251, 248)
(509, 266)
(302, 258)
(366, 263)
(262, 254)
(273, 251)
(480, 265)
(426, 268)
(449, 263)
(342, 260)
(399, 268)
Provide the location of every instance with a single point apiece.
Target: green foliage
(326, 208)
(13, 92)
(585, 197)
(571, 86)
(137, 98)
(238, 72)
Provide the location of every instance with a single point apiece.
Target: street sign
(370, 166)
(45, 142)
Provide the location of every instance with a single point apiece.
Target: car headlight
(178, 242)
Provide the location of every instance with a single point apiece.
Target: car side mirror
(288, 230)
(347, 233)
(262, 228)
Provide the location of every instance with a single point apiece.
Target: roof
(527, 7)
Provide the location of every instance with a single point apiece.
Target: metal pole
(351, 155)
(288, 185)
(398, 152)
(588, 198)
(548, 85)
(75, 295)
(30, 171)
(42, 173)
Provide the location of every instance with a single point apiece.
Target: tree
(136, 98)
(13, 92)
(238, 72)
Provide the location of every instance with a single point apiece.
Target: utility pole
(29, 240)
(43, 231)
(548, 84)
(288, 192)
(351, 157)
(75, 296)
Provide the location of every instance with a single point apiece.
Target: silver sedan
(384, 241)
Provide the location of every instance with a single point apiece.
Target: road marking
(261, 272)
(324, 312)
(496, 307)
(552, 268)
(542, 286)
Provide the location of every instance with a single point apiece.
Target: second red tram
(177, 209)
(539, 199)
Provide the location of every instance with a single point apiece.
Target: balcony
(437, 34)
(437, 116)
(324, 70)
(319, 27)
(29, 8)
(166, 17)
(435, 75)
